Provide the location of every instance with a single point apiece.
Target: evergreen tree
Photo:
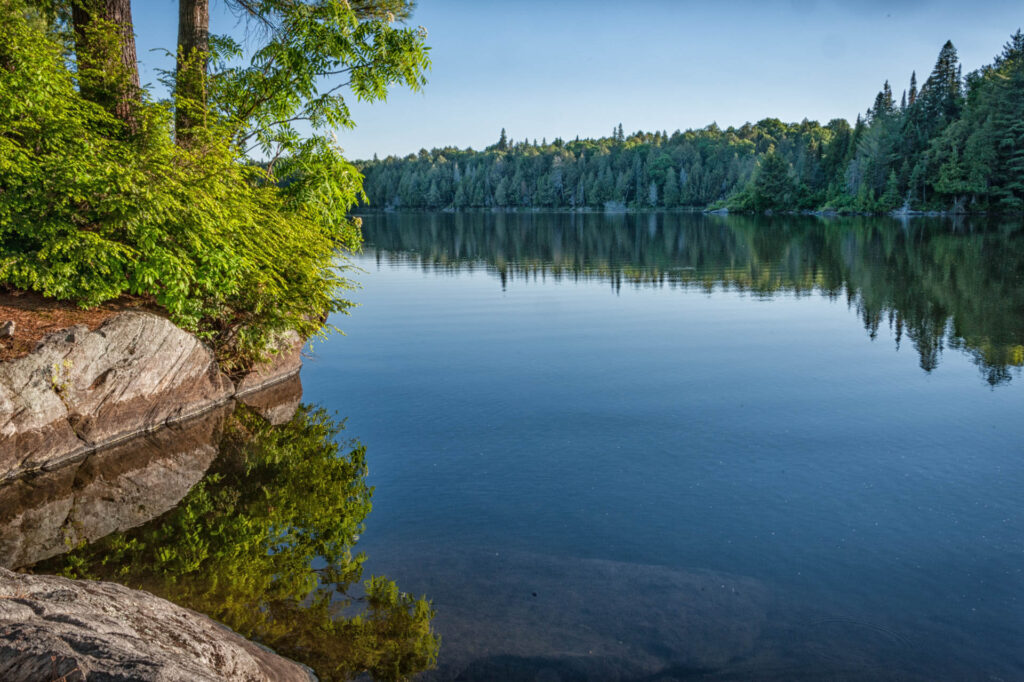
(670, 193)
(773, 187)
(952, 140)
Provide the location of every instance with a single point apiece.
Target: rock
(528, 616)
(34, 426)
(137, 371)
(7, 329)
(285, 360)
(54, 628)
(80, 389)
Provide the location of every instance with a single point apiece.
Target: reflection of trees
(937, 284)
(264, 544)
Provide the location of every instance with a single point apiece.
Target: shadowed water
(581, 426)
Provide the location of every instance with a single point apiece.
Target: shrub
(91, 211)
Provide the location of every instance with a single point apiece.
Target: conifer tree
(108, 75)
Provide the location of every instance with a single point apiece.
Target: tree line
(954, 144)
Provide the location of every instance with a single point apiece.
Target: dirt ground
(35, 316)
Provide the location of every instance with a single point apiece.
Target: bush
(91, 211)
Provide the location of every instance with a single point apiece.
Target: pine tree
(191, 67)
(433, 195)
(773, 187)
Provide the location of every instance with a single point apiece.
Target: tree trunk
(108, 78)
(190, 76)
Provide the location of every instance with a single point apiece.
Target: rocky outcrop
(80, 390)
(285, 360)
(53, 628)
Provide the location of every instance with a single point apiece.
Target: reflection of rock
(122, 486)
(524, 616)
(113, 489)
(53, 628)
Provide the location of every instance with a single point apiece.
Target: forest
(954, 144)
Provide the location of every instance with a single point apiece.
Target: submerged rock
(54, 628)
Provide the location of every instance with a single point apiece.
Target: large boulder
(53, 628)
(136, 372)
(80, 389)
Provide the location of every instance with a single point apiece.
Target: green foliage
(91, 210)
(242, 546)
(772, 188)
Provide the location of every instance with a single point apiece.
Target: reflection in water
(264, 543)
(114, 489)
(937, 283)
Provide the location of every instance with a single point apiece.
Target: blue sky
(565, 68)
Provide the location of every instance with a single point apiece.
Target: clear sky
(561, 68)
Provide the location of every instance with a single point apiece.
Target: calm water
(611, 447)
(691, 447)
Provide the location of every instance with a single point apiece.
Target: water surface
(691, 447)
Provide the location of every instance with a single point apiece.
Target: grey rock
(285, 361)
(136, 371)
(80, 390)
(54, 628)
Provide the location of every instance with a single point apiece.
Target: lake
(621, 447)
(676, 446)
